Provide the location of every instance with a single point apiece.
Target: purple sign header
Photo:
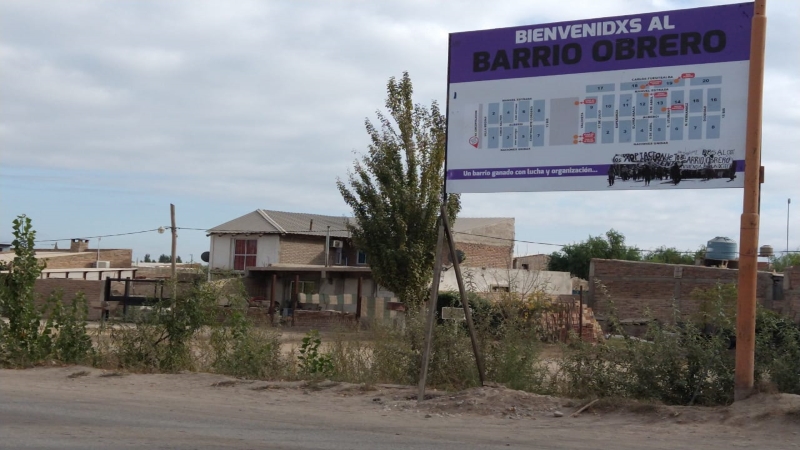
(667, 38)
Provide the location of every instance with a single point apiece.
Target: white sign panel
(651, 101)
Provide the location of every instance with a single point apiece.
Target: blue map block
(696, 127)
(625, 133)
(508, 112)
(626, 105)
(494, 114)
(676, 130)
(712, 127)
(642, 132)
(537, 136)
(696, 101)
(538, 110)
(508, 137)
(714, 100)
(591, 110)
(659, 130)
(642, 105)
(494, 137)
(607, 132)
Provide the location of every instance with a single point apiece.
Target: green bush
(161, 338)
(778, 351)
(241, 349)
(311, 362)
(72, 343)
(27, 339)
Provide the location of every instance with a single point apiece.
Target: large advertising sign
(647, 101)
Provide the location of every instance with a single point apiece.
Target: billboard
(646, 101)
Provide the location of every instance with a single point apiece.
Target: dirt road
(46, 408)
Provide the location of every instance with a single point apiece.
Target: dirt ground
(80, 407)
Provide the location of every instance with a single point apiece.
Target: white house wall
(520, 281)
(221, 252)
(267, 251)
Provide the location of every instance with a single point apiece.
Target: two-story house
(275, 249)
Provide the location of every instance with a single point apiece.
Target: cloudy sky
(110, 111)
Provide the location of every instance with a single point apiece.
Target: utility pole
(748, 234)
(174, 249)
(788, 203)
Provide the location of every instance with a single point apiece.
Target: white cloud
(263, 103)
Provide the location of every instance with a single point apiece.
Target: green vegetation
(395, 192)
(575, 258)
(34, 335)
(688, 362)
(671, 255)
(783, 262)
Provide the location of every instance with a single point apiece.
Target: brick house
(266, 238)
(276, 249)
(80, 261)
(78, 269)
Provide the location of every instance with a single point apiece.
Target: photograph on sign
(647, 101)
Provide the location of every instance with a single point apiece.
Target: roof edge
(269, 219)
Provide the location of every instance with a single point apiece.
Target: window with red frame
(244, 254)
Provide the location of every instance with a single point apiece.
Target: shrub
(25, 340)
(311, 362)
(241, 349)
(778, 351)
(161, 338)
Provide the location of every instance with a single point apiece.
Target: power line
(343, 231)
(100, 236)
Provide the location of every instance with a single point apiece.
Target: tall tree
(670, 255)
(395, 192)
(575, 258)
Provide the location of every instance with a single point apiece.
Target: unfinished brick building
(641, 289)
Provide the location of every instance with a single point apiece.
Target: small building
(80, 261)
(79, 270)
(531, 262)
(276, 249)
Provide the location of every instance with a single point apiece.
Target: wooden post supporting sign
(444, 231)
(426, 351)
(463, 292)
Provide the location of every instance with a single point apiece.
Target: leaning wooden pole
(748, 237)
(451, 242)
(432, 301)
(173, 269)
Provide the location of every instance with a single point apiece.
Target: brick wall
(297, 249)
(790, 305)
(92, 289)
(302, 250)
(636, 287)
(322, 319)
(118, 258)
(484, 255)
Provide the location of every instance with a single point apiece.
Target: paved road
(45, 410)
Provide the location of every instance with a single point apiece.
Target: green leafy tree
(395, 192)
(24, 339)
(670, 255)
(178, 260)
(20, 340)
(783, 262)
(164, 258)
(147, 258)
(575, 258)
